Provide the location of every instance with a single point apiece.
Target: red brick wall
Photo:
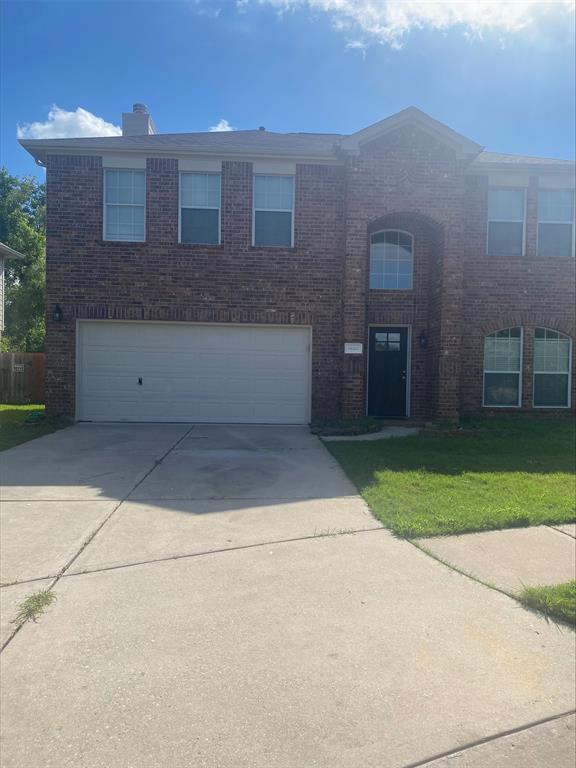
(525, 291)
(406, 180)
(164, 280)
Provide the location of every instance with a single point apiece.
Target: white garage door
(182, 372)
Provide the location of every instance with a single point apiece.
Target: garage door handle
(140, 380)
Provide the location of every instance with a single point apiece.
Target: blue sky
(500, 73)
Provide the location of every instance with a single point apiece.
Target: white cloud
(62, 124)
(221, 125)
(389, 21)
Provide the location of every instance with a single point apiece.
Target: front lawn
(557, 602)
(14, 430)
(486, 475)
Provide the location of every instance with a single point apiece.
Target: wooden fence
(21, 377)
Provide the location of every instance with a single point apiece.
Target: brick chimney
(138, 122)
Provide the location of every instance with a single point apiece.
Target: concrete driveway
(225, 600)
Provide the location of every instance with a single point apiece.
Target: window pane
(391, 260)
(506, 205)
(199, 225)
(551, 352)
(505, 238)
(555, 240)
(125, 222)
(501, 388)
(200, 190)
(273, 228)
(551, 389)
(128, 187)
(273, 192)
(502, 350)
(556, 205)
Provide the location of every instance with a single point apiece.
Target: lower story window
(552, 352)
(502, 367)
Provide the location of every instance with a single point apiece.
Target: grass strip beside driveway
(556, 602)
(483, 476)
(14, 430)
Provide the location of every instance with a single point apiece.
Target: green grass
(14, 430)
(485, 475)
(556, 602)
(33, 606)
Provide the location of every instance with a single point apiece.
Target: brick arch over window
(528, 320)
(407, 220)
(427, 251)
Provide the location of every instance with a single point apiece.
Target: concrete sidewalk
(224, 598)
(513, 558)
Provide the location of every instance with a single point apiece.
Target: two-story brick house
(252, 276)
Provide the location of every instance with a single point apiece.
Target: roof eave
(483, 167)
(9, 253)
(40, 150)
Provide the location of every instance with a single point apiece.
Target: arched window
(391, 258)
(552, 358)
(502, 368)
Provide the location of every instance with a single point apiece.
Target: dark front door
(388, 373)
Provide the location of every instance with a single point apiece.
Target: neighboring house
(6, 253)
(250, 276)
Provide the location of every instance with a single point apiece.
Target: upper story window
(124, 205)
(555, 222)
(552, 353)
(502, 367)
(391, 259)
(200, 208)
(273, 210)
(506, 222)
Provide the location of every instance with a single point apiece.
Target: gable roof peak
(463, 146)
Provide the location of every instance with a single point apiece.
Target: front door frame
(383, 327)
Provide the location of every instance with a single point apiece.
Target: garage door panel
(240, 374)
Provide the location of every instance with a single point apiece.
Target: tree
(22, 227)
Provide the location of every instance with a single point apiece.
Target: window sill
(131, 243)
(509, 407)
(272, 248)
(201, 246)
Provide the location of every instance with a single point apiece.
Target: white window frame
(201, 207)
(540, 221)
(568, 374)
(519, 372)
(506, 221)
(105, 205)
(383, 231)
(274, 210)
